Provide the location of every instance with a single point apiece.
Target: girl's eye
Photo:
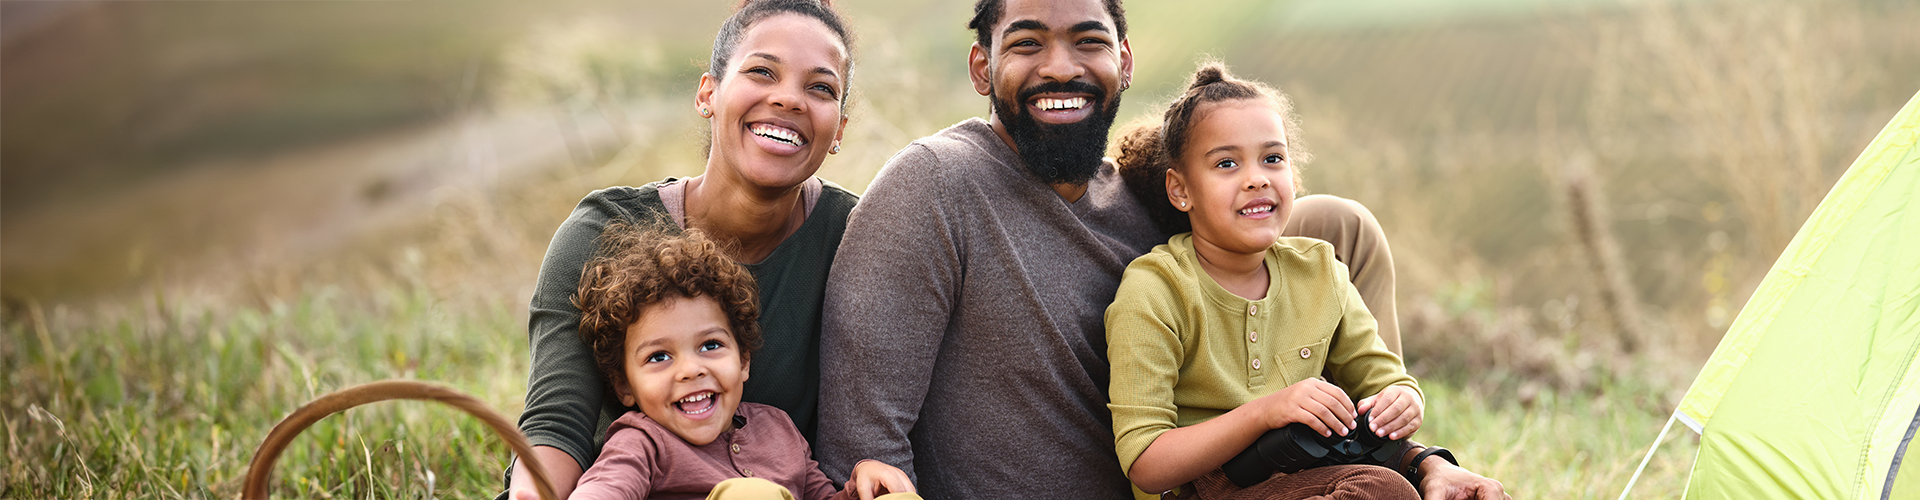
(1227, 163)
(1274, 158)
(658, 357)
(711, 345)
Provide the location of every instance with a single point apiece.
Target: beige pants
(1359, 243)
(753, 488)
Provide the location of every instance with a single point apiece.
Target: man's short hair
(987, 13)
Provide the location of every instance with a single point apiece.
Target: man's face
(1054, 74)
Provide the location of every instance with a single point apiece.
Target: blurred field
(212, 212)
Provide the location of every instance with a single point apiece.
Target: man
(963, 338)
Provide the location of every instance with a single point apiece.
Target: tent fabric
(1812, 393)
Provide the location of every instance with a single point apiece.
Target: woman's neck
(748, 221)
(1242, 274)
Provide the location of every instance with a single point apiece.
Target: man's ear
(979, 67)
(1126, 62)
(1177, 190)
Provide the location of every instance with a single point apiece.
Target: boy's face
(1235, 177)
(684, 369)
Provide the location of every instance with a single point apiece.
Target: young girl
(672, 323)
(1224, 332)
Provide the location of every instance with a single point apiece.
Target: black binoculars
(1296, 447)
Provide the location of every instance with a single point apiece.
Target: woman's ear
(703, 98)
(1177, 190)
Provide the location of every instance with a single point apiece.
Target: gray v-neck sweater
(964, 335)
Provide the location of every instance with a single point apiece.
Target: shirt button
(746, 472)
(1256, 363)
(1253, 336)
(1305, 352)
(1253, 309)
(736, 448)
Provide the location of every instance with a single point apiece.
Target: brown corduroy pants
(1339, 482)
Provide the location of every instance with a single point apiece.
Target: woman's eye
(1226, 164)
(711, 345)
(658, 357)
(824, 89)
(759, 71)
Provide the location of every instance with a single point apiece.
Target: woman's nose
(785, 98)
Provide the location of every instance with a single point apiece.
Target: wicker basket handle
(261, 468)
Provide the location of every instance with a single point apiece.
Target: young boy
(672, 324)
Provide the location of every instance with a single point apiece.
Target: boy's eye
(659, 357)
(711, 345)
(1226, 163)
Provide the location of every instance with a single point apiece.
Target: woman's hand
(1441, 480)
(1395, 412)
(1317, 403)
(873, 478)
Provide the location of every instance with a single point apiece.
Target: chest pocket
(1302, 361)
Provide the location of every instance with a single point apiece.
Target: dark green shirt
(568, 403)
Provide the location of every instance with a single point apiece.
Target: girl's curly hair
(638, 267)
(1148, 148)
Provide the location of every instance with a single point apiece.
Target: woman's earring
(706, 113)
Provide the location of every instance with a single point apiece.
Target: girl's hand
(873, 478)
(1317, 403)
(1396, 411)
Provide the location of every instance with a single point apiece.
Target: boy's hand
(1317, 403)
(1396, 411)
(873, 478)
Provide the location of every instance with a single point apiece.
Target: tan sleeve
(1360, 243)
(1145, 352)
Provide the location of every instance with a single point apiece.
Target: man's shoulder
(965, 146)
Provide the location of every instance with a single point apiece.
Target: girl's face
(683, 368)
(776, 113)
(1234, 178)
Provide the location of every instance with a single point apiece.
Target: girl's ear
(1177, 190)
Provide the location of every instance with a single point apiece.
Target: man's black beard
(1065, 153)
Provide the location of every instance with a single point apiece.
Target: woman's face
(776, 111)
(1234, 177)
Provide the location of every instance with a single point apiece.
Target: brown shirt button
(1306, 352)
(746, 472)
(1256, 363)
(1253, 336)
(1253, 309)
(736, 447)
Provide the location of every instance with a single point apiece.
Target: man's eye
(1226, 164)
(711, 345)
(658, 357)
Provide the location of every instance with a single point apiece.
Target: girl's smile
(1235, 178)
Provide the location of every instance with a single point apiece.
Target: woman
(774, 98)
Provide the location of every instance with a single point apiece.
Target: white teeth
(778, 134)
(1256, 210)
(1052, 104)
(697, 397)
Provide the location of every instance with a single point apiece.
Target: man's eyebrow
(1024, 24)
(1085, 26)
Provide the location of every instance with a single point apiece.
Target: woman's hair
(752, 11)
(636, 268)
(1148, 149)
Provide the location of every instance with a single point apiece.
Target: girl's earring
(1183, 204)
(835, 150)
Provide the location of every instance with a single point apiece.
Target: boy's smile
(684, 368)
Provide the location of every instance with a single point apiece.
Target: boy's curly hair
(636, 268)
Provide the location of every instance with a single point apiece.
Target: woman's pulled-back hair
(636, 268)
(752, 11)
(1149, 149)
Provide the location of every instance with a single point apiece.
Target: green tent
(1813, 393)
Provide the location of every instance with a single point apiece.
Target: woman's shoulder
(634, 204)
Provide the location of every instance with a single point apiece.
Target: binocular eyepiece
(1297, 447)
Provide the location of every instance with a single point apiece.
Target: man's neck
(1068, 191)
